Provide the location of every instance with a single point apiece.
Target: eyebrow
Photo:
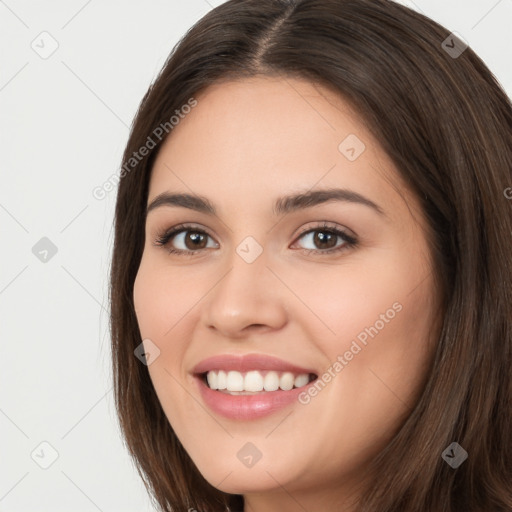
(283, 205)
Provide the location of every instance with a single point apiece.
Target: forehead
(280, 113)
(261, 137)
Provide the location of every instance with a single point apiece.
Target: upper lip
(245, 363)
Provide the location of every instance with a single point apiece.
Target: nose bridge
(245, 295)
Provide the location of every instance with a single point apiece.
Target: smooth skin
(245, 144)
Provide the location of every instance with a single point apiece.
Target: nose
(247, 298)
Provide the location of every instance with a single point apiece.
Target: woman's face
(272, 277)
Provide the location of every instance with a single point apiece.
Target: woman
(311, 276)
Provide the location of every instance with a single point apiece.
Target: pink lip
(247, 363)
(247, 407)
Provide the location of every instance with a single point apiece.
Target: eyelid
(327, 225)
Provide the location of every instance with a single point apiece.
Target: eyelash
(164, 238)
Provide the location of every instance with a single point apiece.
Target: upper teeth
(255, 380)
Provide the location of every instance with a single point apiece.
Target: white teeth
(271, 382)
(212, 379)
(286, 381)
(235, 381)
(255, 381)
(301, 380)
(221, 379)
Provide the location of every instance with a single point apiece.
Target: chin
(243, 480)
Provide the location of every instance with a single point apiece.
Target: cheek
(339, 302)
(163, 304)
(377, 308)
(162, 298)
(376, 334)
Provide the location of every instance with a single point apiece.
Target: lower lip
(247, 407)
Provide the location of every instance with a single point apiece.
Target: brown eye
(185, 240)
(325, 239)
(195, 240)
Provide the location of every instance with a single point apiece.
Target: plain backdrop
(72, 74)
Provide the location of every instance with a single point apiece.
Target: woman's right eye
(191, 240)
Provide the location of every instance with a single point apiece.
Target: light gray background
(64, 124)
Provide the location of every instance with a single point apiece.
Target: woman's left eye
(326, 238)
(193, 239)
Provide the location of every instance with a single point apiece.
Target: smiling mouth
(255, 381)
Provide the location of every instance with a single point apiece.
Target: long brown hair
(446, 123)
